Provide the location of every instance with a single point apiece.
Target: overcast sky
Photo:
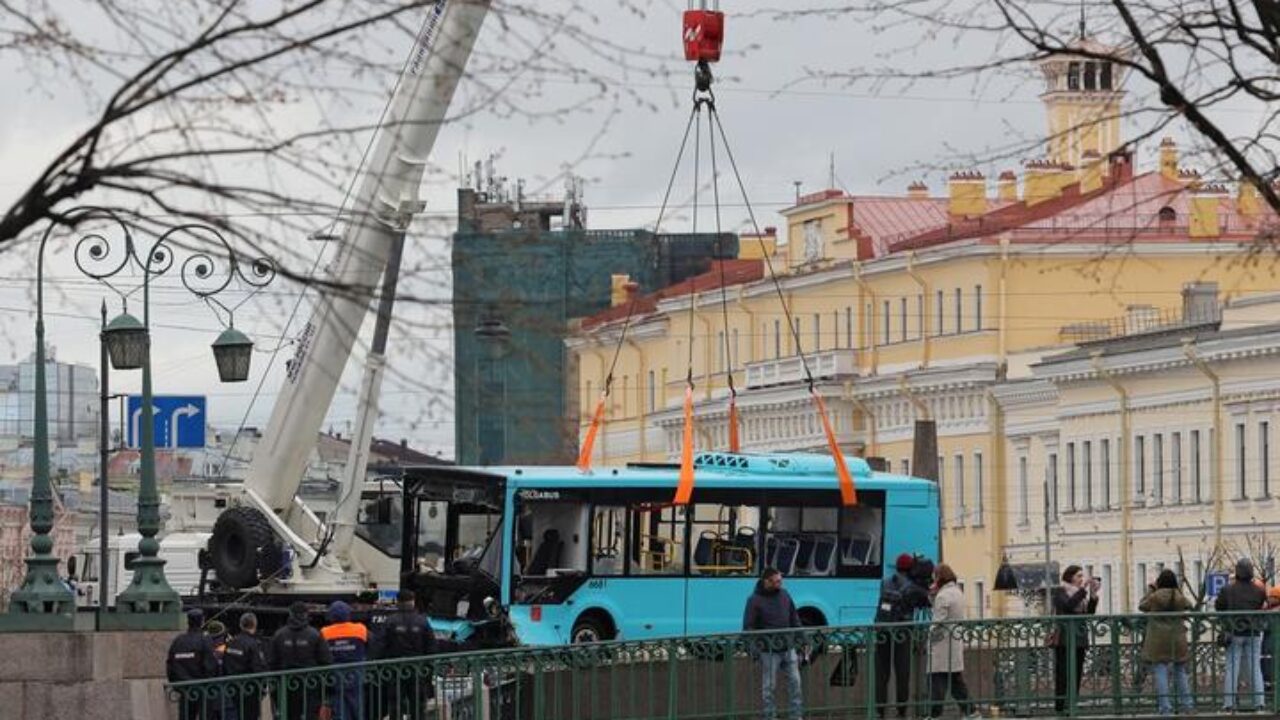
(783, 129)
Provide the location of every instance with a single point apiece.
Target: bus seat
(788, 548)
(547, 555)
(771, 552)
(857, 549)
(702, 551)
(824, 551)
(804, 556)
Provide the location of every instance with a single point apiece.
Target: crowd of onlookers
(920, 591)
(205, 651)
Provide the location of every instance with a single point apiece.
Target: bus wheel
(591, 627)
(813, 618)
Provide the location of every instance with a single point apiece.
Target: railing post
(673, 681)
(1117, 682)
(870, 643)
(1072, 645)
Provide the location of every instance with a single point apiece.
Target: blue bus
(565, 557)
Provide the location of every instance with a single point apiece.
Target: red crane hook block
(703, 35)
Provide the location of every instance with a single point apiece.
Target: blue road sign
(179, 420)
(1213, 583)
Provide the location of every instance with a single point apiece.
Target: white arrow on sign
(187, 410)
(137, 438)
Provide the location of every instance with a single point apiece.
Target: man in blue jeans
(1244, 654)
(771, 608)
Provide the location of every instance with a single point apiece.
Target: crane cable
(593, 430)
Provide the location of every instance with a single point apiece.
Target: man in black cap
(191, 658)
(245, 655)
(297, 646)
(406, 634)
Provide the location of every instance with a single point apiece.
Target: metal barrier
(1012, 668)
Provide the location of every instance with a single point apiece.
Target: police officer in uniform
(245, 655)
(191, 658)
(295, 646)
(406, 634)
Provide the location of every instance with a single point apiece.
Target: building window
(835, 329)
(1104, 76)
(586, 406)
(1157, 468)
(868, 322)
(1105, 461)
(1141, 581)
(1241, 468)
(1086, 463)
(1107, 589)
(653, 393)
(848, 326)
(977, 307)
(1051, 470)
(735, 358)
(902, 306)
(1197, 489)
(1073, 76)
(959, 312)
(1264, 457)
(1139, 466)
(978, 489)
(906, 466)
(796, 334)
(980, 597)
(1024, 504)
(777, 339)
(940, 315)
(885, 330)
(920, 316)
(1071, 477)
(626, 407)
(958, 480)
(942, 496)
(1175, 465)
(721, 355)
(1090, 76)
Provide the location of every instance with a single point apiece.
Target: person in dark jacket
(191, 658)
(1165, 644)
(1076, 596)
(901, 596)
(298, 646)
(348, 643)
(771, 608)
(406, 634)
(1244, 654)
(245, 655)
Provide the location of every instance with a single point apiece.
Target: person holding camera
(1078, 595)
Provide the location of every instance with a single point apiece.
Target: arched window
(1167, 215)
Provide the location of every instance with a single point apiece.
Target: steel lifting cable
(848, 493)
(588, 442)
(734, 440)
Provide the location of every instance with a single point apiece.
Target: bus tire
(813, 618)
(591, 626)
(243, 549)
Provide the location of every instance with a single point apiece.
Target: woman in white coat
(946, 648)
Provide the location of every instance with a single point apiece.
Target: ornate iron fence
(1016, 667)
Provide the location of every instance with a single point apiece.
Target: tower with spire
(1082, 98)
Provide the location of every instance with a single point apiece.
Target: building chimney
(1041, 181)
(967, 192)
(1091, 171)
(1206, 202)
(1200, 302)
(1007, 186)
(618, 289)
(918, 191)
(1169, 159)
(1248, 203)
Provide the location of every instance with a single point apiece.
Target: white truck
(266, 547)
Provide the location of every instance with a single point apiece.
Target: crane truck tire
(243, 549)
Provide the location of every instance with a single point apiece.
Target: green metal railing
(1009, 666)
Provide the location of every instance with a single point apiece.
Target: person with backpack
(900, 597)
(1165, 645)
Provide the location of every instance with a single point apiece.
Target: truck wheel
(243, 549)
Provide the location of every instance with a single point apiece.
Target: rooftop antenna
(831, 170)
(1082, 34)
(797, 183)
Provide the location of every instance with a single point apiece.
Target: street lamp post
(44, 602)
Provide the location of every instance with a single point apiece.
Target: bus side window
(724, 540)
(802, 540)
(657, 539)
(608, 537)
(861, 537)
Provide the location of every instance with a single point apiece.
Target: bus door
(724, 562)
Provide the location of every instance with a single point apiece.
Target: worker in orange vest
(348, 643)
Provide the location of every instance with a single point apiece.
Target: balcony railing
(824, 364)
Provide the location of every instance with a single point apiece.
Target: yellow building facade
(919, 306)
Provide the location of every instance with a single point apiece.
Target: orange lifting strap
(848, 493)
(684, 490)
(589, 443)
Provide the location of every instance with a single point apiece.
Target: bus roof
(723, 470)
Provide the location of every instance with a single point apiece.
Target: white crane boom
(383, 208)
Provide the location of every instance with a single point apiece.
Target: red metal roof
(735, 272)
